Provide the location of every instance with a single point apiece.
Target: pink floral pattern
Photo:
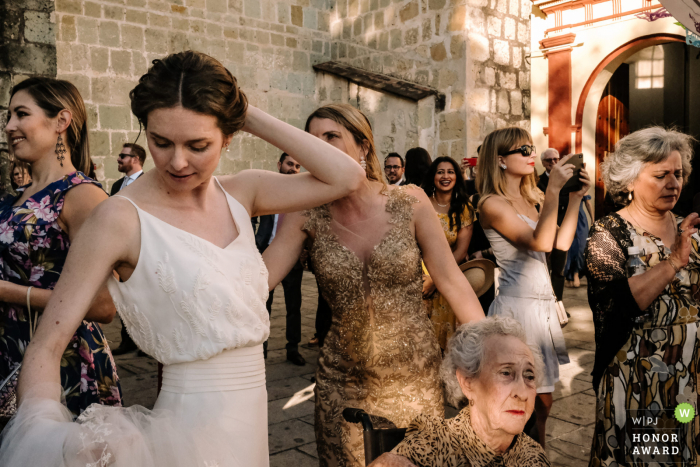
(33, 249)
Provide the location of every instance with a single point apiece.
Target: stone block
(291, 42)
(525, 9)
(438, 52)
(516, 103)
(215, 30)
(514, 7)
(524, 80)
(297, 15)
(494, 26)
(443, 150)
(489, 76)
(300, 61)
(283, 13)
(436, 4)
(5, 87)
(63, 58)
(523, 33)
(395, 39)
(457, 19)
(80, 57)
(503, 105)
(457, 46)
(457, 149)
(310, 20)
(136, 16)
(452, 125)
(93, 9)
(217, 6)
(411, 36)
(509, 30)
(501, 52)
(409, 11)
(357, 27)
(156, 41)
(100, 90)
(446, 78)
(353, 8)
(294, 83)
(502, 6)
(182, 24)
(487, 126)
(507, 80)
(478, 99)
(517, 57)
(158, 21)
(178, 41)
(38, 28)
(478, 3)
(73, 7)
(99, 59)
(120, 61)
(323, 21)
(275, 39)
(114, 117)
(178, 9)
(109, 33)
(132, 37)
(99, 143)
(252, 8)
(136, 3)
(68, 29)
(476, 22)
(87, 30)
(456, 100)
(479, 48)
(114, 12)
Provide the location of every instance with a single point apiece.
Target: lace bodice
(188, 299)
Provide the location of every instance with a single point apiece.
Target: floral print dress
(646, 361)
(439, 310)
(33, 250)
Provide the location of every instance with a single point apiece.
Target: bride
(193, 285)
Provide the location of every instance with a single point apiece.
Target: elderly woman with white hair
(490, 363)
(646, 359)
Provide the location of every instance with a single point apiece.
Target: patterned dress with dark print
(434, 442)
(646, 361)
(381, 354)
(33, 250)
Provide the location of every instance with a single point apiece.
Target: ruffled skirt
(209, 413)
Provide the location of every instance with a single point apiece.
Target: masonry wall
(471, 51)
(27, 48)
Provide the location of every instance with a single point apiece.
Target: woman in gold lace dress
(381, 354)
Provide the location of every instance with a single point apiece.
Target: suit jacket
(542, 184)
(118, 185)
(264, 224)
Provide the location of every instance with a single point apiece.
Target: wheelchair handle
(352, 415)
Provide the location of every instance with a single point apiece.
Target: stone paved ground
(290, 390)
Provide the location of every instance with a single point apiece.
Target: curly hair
(459, 199)
(196, 82)
(465, 352)
(648, 146)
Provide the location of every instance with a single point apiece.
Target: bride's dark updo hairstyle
(194, 81)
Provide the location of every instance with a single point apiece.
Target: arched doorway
(603, 113)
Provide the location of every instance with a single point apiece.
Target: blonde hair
(359, 127)
(490, 178)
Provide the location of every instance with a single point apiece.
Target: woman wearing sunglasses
(521, 225)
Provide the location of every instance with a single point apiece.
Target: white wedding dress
(200, 310)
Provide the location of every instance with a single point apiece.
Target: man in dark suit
(265, 233)
(129, 162)
(394, 168)
(557, 259)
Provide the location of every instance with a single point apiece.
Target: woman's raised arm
(109, 237)
(332, 174)
(441, 265)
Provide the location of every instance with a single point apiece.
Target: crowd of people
(190, 262)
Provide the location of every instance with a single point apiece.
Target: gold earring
(471, 402)
(60, 150)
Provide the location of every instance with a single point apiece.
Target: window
(649, 69)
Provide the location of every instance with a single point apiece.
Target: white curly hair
(465, 352)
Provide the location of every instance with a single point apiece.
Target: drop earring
(363, 163)
(60, 150)
(503, 166)
(228, 149)
(629, 196)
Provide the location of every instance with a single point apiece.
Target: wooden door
(612, 125)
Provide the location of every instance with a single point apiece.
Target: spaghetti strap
(124, 197)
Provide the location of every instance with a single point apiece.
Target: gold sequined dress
(381, 354)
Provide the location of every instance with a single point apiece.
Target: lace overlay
(380, 354)
(646, 360)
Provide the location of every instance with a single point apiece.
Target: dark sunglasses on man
(392, 167)
(124, 155)
(526, 150)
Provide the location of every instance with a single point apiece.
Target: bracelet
(673, 265)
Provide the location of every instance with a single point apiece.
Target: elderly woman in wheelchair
(489, 363)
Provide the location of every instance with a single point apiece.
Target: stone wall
(27, 48)
(469, 50)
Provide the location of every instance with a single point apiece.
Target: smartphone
(574, 184)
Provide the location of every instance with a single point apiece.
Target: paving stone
(582, 436)
(289, 434)
(293, 458)
(579, 409)
(557, 428)
(277, 413)
(562, 453)
(309, 449)
(569, 386)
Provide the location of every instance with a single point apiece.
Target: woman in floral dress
(444, 185)
(646, 358)
(47, 128)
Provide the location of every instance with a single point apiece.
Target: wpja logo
(659, 436)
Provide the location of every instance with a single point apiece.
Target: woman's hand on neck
(497, 440)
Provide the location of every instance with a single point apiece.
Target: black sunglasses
(525, 150)
(392, 167)
(123, 155)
